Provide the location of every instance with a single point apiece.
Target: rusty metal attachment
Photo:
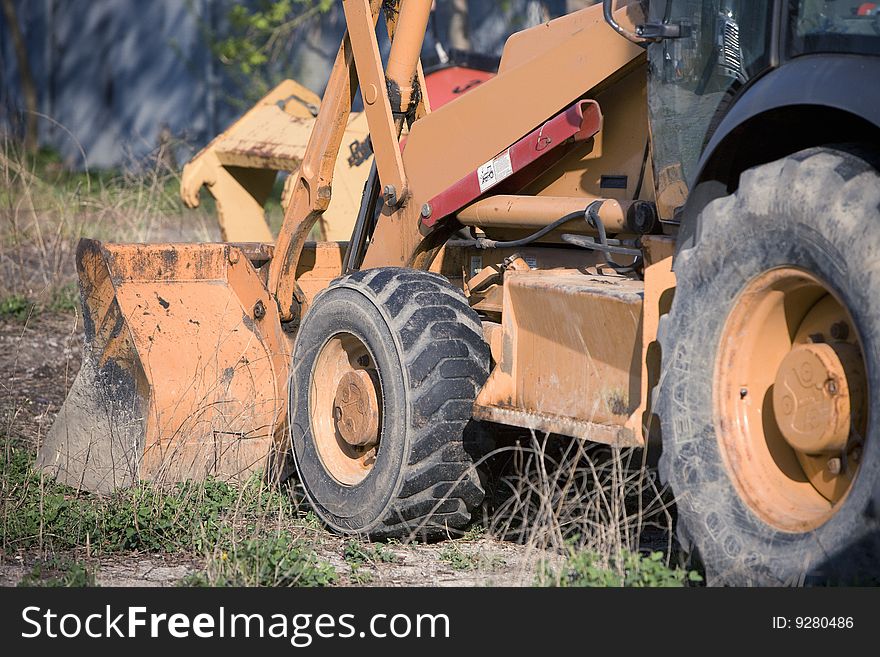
(544, 380)
(239, 167)
(178, 381)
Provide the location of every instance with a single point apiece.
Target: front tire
(786, 271)
(386, 367)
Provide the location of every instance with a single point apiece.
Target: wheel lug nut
(743, 392)
(856, 454)
(834, 465)
(831, 386)
(337, 413)
(840, 331)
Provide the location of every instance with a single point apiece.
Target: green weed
(38, 512)
(459, 560)
(358, 575)
(64, 298)
(15, 306)
(357, 552)
(475, 533)
(59, 572)
(277, 560)
(61, 299)
(207, 516)
(585, 568)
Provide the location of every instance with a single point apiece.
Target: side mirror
(648, 32)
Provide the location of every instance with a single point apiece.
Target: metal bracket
(649, 31)
(359, 152)
(371, 78)
(660, 31)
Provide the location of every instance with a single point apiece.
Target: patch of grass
(15, 306)
(475, 533)
(357, 553)
(40, 513)
(585, 568)
(150, 520)
(59, 572)
(358, 575)
(64, 298)
(243, 530)
(459, 560)
(310, 521)
(596, 507)
(277, 560)
(61, 299)
(463, 561)
(46, 207)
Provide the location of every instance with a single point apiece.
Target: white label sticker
(476, 265)
(486, 176)
(531, 261)
(503, 166)
(494, 171)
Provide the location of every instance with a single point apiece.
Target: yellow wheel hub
(790, 398)
(345, 408)
(811, 399)
(356, 409)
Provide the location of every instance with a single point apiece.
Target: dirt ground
(495, 564)
(39, 358)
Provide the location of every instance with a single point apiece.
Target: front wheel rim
(790, 399)
(345, 408)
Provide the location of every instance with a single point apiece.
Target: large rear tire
(770, 381)
(386, 367)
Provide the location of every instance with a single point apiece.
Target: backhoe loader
(657, 227)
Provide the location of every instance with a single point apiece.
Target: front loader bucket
(184, 367)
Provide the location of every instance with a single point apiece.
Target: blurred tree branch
(25, 75)
(259, 37)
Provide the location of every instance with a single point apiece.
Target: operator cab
(722, 48)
